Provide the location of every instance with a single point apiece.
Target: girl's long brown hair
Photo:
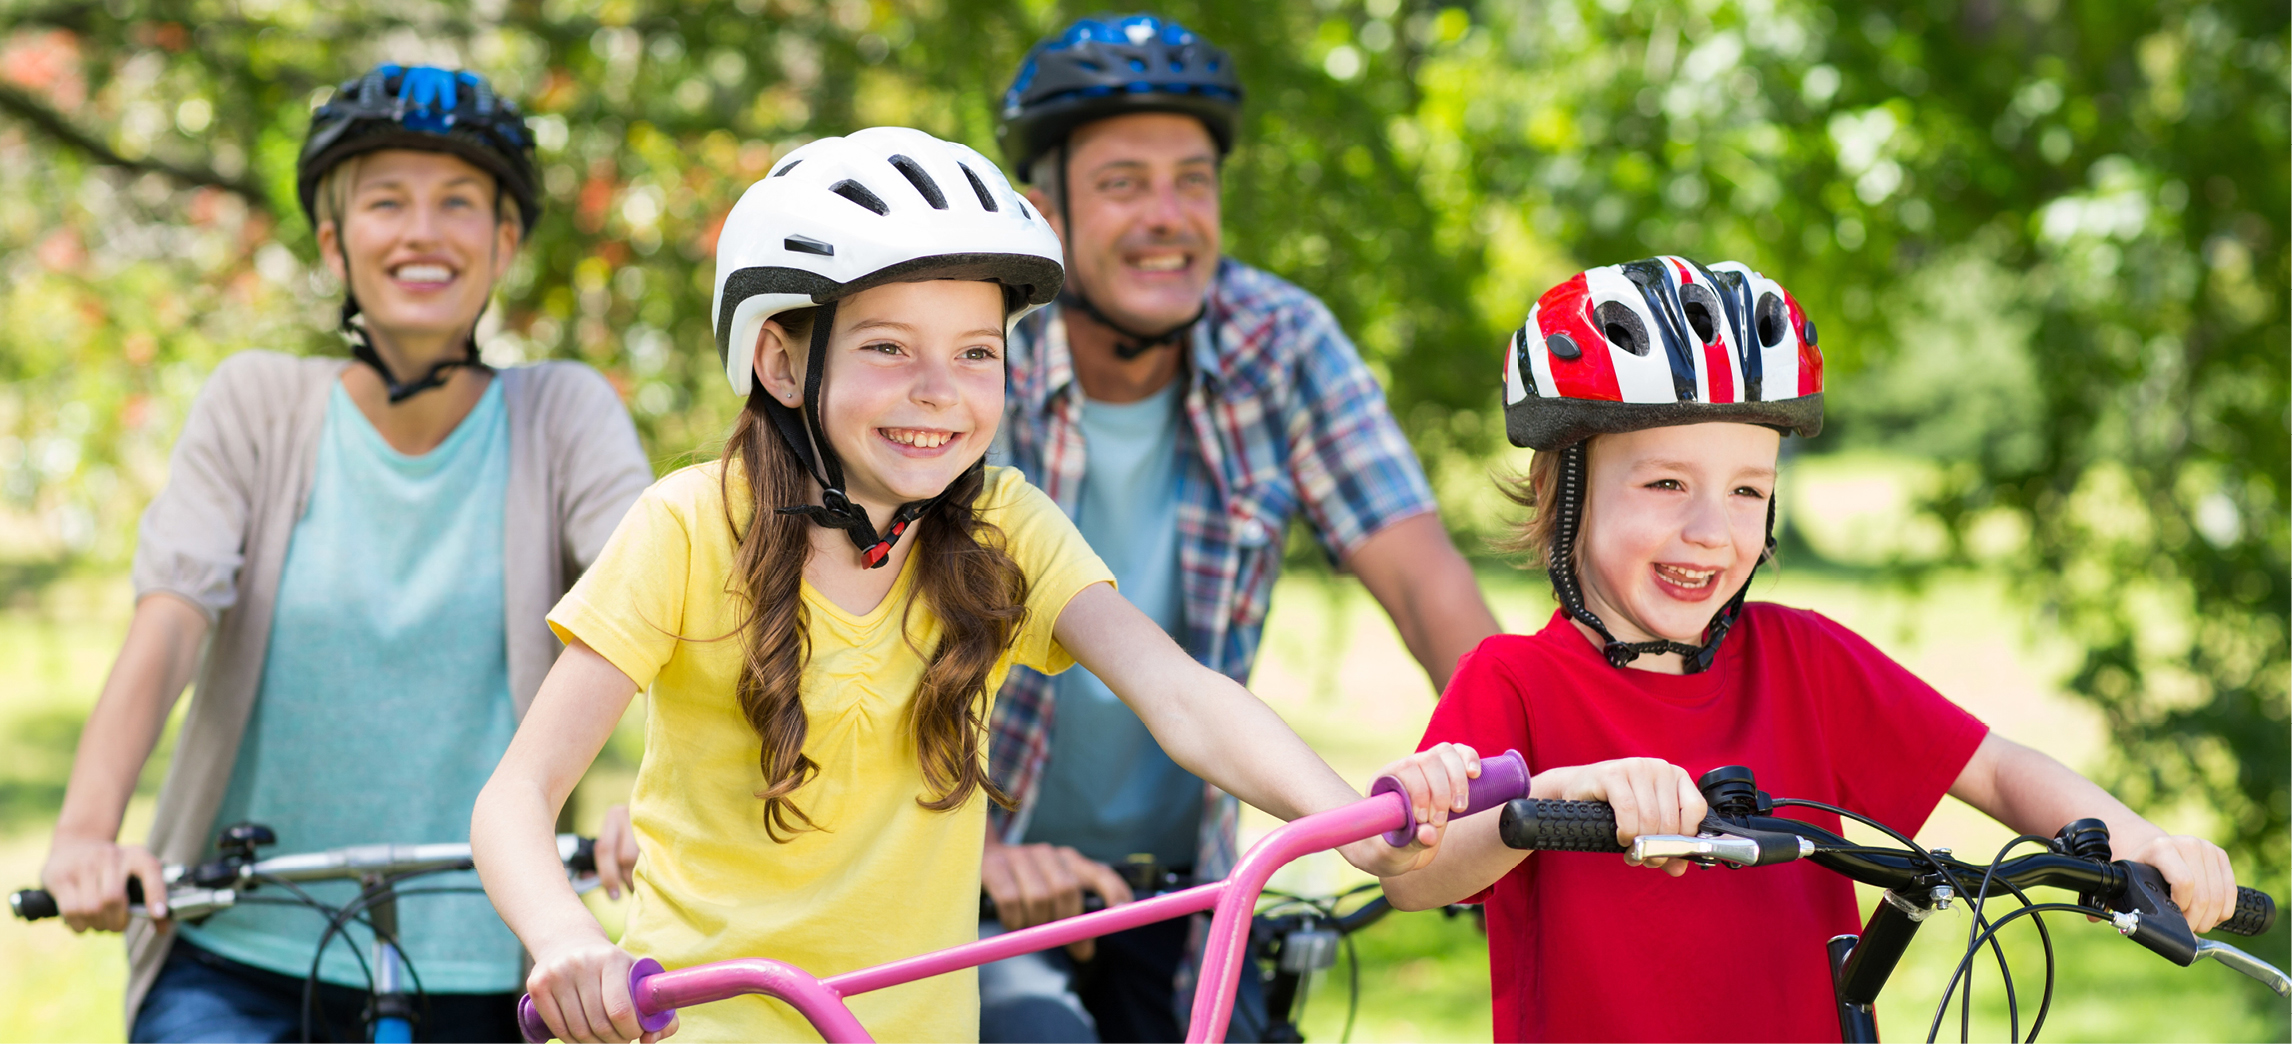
(963, 575)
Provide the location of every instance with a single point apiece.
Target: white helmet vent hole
(916, 176)
(979, 188)
(1622, 327)
(784, 170)
(1702, 312)
(808, 245)
(859, 194)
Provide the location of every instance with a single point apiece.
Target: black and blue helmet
(434, 110)
(1112, 65)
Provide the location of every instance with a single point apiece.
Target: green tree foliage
(2045, 245)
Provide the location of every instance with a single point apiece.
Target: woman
(365, 550)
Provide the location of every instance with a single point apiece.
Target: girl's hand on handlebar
(2204, 885)
(88, 877)
(581, 989)
(1437, 779)
(616, 852)
(1649, 795)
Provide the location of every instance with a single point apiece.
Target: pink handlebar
(1501, 779)
(658, 994)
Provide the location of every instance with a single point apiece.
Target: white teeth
(1685, 577)
(425, 273)
(1161, 263)
(917, 439)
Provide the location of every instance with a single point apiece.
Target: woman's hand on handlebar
(88, 877)
(1038, 884)
(1649, 795)
(2204, 884)
(616, 852)
(581, 989)
(1437, 779)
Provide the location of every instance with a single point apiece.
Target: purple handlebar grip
(1502, 778)
(536, 1031)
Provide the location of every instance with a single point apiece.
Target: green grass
(1333, 667)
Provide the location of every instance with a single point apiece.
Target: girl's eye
(980, 353)
(1672, 484)
(885, 347)
(1751, 492)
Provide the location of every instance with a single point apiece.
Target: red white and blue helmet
(1659, 342)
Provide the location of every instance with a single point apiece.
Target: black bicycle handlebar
(1590, 826)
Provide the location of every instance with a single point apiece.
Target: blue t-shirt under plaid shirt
(1281, 419)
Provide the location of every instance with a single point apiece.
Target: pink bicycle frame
(658, 994)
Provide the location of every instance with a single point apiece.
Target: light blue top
(385, 699)
(1109, 790)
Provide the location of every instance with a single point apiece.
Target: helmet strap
(1129, 344)
(804, 436)
(1566, 586)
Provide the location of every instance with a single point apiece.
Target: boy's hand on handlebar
(88, 877)
(2204, 884)
(581, 990)
(1038, 884)
(616, 852)
(1437, 779)
(1649, 795)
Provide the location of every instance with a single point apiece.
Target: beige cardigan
(239, 479)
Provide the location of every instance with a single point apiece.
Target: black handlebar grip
(33, 904)
(1559, 826)
(584, 859)
(2255, 913)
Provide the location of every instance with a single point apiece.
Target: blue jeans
(1128, 992)
(201, 996)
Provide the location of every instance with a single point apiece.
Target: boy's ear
(777, 366)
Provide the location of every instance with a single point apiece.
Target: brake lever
(1748, 848)
(2246, 963)
(2144, 912)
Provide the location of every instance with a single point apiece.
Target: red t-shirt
(1585, 947)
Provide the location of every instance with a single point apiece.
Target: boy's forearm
(2031, 792)
(1471, 857)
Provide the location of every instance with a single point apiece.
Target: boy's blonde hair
(1535, 491)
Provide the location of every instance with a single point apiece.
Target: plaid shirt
(1282, 417)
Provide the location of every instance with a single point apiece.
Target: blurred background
(2045, 244)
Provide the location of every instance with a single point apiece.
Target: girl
(1656, 395)
(814, 785)
(364, 550)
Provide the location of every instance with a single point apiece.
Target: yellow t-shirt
(885, 878)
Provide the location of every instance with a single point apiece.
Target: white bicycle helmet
(840, 215)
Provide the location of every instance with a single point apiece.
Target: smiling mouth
(917, 438)
(1173, 261)
(422, 272)
(1688, 577)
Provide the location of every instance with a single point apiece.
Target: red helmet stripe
(1810, 358)
(1567, 309)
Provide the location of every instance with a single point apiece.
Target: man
(1182, 407)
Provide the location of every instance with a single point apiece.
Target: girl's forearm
(1217, 730)
(513, 837)
(514, 845)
